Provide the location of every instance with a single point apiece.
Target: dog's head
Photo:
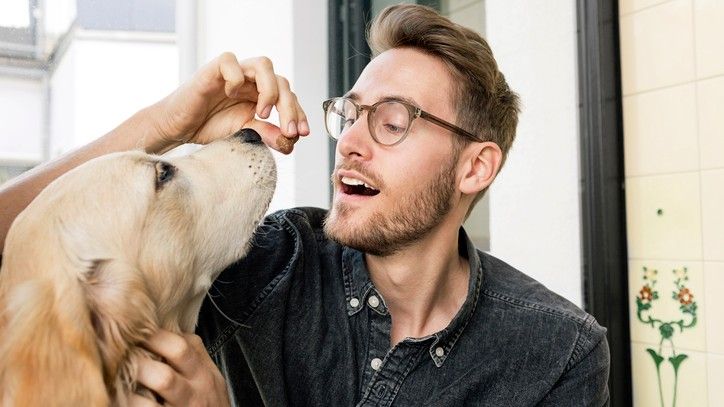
(131, 241)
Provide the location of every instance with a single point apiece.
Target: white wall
(535, 203)
(21, 119)
(294, 36)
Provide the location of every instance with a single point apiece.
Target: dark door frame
(348, 49)
(603, 217)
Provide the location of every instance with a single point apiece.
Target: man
(383, 300)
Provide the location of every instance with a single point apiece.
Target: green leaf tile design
(645, 301)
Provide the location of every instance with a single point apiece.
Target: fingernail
(266, 112)
(292, 129)
(303, 127)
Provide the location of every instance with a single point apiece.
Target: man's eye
(164, 173)
(394, 129)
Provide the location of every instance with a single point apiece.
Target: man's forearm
(138, 132)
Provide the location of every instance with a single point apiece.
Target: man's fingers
(187, 376)
(252, 89)
(303, 126)
(261, 71)
(273, 90)
(292, 119)
(175, 349)
(287, 108)
(198, 347)
(232, 73)
(164, 380)
(135, 400)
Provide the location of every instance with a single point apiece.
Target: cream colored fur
(102, 258)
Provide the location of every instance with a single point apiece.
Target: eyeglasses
(389, 121)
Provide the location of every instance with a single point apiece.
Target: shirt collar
(358, 289)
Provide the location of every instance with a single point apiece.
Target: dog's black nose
(248, 136)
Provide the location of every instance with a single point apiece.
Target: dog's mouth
(354, 186)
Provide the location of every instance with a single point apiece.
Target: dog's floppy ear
(48, 354)
(122, 314)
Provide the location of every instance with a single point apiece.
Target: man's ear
(481, 163)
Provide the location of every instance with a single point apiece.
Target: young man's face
(416, 179)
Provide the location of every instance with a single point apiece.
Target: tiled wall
(672, 66)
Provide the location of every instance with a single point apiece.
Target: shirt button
(376, 363)
(354, 302)
(439, 351)
(373, 301)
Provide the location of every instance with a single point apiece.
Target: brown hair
(484, 103)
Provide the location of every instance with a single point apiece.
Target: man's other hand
(186, 377)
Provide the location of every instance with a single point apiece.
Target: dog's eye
(164, 173)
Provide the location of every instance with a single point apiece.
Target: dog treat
(286, 144)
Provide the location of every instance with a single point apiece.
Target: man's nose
(357, 140)
(248, 136)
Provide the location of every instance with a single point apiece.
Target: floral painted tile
(661, 382)
(666, 303)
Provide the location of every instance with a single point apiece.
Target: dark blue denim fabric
(294, 324)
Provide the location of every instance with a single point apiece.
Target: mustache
(361, 168)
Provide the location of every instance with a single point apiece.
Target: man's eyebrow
(389, 98)
(399, 98)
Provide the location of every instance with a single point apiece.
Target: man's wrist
(154, 139)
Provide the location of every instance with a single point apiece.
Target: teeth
(355, 181)
(352, 181)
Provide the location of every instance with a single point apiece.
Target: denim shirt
(298, 322)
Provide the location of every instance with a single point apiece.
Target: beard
(412, 218)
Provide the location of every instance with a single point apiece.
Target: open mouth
(354, 186)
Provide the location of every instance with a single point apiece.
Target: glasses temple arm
(449, 126)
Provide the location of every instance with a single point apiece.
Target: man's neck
(424, 285)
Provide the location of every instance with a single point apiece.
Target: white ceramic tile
(712, 204)
(630, 6)
(655, 288)
(715, 366)
(714, 301)
(709, 15)
(691, 386)
(663, 217)
(710, 106)
(660, 133)
(657, 47)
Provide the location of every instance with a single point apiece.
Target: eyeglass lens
(388, 121)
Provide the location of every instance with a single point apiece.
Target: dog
(112, 251)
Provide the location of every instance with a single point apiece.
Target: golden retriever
(112, 251)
